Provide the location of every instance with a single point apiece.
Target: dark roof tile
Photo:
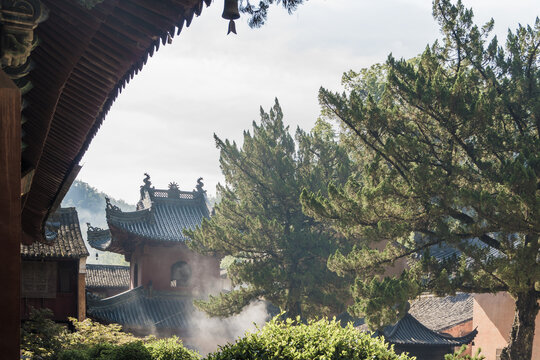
(107, 276)
(69, 242)
(164, 220)
(137, 308)
(98, 238)
(439, 313)
(409, 331)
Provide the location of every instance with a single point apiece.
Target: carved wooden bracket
(18, 19)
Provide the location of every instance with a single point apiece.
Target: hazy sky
(206, 82)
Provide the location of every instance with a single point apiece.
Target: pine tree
(258, 14)
(449, 145)
(280, 253)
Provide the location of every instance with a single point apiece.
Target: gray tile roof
(164, 219)
(69, 242)
(107, 276)
(444, 252)
(139, 308)
(98, 238)
(439, 313)
(409, 331)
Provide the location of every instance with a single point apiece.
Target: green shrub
(129, 351)
(41, 337)
(74, 354)
(99, 351)
(88, 333)
(460, 355)
(170, 349)
(292, 340)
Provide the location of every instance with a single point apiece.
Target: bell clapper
(232, 27)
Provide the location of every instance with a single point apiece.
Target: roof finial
(147, 181)
(146, 186)
(111, 206)
(200, 185)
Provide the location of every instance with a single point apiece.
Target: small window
(180, 274)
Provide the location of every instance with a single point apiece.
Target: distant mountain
(90, 205)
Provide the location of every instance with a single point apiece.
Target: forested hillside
(90, 205)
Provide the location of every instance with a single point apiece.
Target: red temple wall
(63, 304)
(154, 263)
(461, 330)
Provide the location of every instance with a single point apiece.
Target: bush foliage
(285, 340)
(170, 349)
(462, 355)
(41, 336)
(292, 340)
(43, 339)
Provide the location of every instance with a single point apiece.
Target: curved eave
(99, 239)
(465, 339)
(163, 221)
(409, 331)
(85, 59)
(120, 241)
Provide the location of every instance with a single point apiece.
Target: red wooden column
(10, 217)
(81, 290)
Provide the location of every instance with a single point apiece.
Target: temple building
(165, 275)
(53, 275)
(64, 62)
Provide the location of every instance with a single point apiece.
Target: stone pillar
(10, 217)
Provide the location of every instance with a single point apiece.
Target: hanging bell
(231, 13)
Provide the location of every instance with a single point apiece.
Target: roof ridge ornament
(174, 191)
(147, 186)
(110, 206)
(93, 228)
(200, 185)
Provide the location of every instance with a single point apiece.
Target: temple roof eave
(409, 331)
(143, 308)
(163, 218)
(76, 45)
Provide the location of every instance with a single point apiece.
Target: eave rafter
(86, 56)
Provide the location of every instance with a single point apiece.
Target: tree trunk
(294, 307)
(522, 335)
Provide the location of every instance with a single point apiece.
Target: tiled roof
(164, 219)
(439, 313)
(139, 308)
(409, 331)
(98, 238)
(443, 251)
(107, 276)
(69, 242)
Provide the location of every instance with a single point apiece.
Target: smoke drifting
(206, 333)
